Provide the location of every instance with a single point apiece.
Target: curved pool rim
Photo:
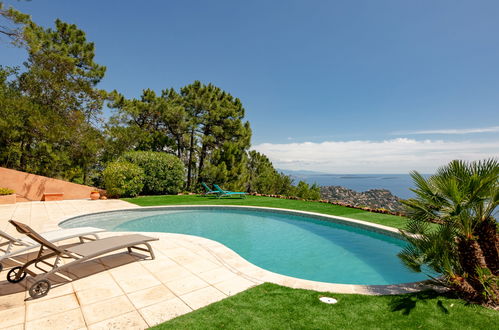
(268, 276)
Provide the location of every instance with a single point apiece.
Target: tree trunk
(23, 163)
(179, 147)
(189, 164)
(489, 243)
(202, 157)
(471, 258)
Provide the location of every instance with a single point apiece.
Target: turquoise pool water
(287, 244)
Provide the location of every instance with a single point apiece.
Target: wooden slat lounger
(11, 246)
(79, 253)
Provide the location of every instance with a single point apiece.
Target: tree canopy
(51, 123)
(47, 109)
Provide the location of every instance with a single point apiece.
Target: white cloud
(492, 129)
(399, 155)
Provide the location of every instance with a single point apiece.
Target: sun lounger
(208, 189)
(225, 193)
(75, 255)
(11, 246)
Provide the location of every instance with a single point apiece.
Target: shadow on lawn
(406, 303)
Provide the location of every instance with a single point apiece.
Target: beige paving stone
(172, 273)
(99, 292)
(150, 296)
(234, 285)
(202, 297)
(201, 265)
(101, 279)
(164, 311)
(12, 300)
(109, 308)
(160, 264)
(70, 320)
(186, 284)
(180, 253)
(134, 277)
(12, 316)
(217, 275)
(130, 321)
(14, 327)
(41, 308)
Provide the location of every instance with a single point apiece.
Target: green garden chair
(226, 193)
(208, 190)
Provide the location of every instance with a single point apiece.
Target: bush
(164, 173)
(123, 179)
(6, 191)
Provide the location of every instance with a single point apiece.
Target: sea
(398, 184)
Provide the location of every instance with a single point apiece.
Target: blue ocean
(398, 184)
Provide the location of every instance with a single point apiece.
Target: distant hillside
(374, 198)
(299, 172)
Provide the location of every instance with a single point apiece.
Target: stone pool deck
(122, 291)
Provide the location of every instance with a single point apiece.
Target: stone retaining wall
(32, 187)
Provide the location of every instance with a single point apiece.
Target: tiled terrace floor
(116, 292)
(122, 291)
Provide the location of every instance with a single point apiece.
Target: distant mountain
(299, 172)
(374, 198)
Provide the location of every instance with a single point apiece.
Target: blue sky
(332, 86)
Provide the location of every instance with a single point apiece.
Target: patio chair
(11, 246)
(208, 189)
(226, 193)
(78, 253)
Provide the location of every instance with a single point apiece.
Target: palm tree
(452, 229)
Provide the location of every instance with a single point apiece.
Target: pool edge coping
(245, 268)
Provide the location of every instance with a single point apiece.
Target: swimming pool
(305, 246)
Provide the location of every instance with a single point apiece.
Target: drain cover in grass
(328, 300)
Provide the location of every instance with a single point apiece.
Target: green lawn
(271, 306)
(383, 219)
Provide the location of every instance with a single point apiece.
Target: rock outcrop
(374, 198)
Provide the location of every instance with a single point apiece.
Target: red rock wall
(32, 187)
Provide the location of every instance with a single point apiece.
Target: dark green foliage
(123, 179)
(462, 198)
(303, 190)
(270, 306)
(263, 178)
(163, 173)
(11, 25)
(202, 125)
(6, 191)
(47, 111)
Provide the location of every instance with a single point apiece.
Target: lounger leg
(149, 249)
(83, 238)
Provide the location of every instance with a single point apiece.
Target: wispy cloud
(492, 129)
(391, 156)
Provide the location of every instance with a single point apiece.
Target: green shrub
(6, 191)
(123, 179)
(164, 173)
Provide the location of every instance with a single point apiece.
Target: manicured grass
(383, 219)
(271, 306)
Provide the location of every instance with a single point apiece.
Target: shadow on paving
(73, 273)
